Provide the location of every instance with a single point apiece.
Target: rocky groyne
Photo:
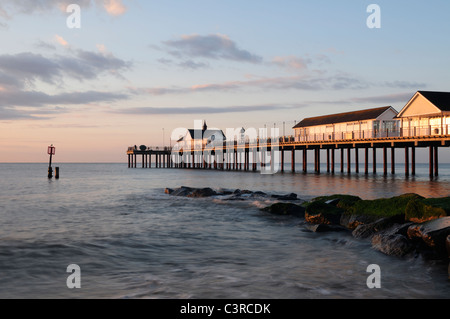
(403, 225)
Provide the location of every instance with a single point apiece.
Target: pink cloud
(114, 7)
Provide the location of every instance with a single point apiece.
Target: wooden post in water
(374, 159)
(51, 152)
(328, 160)
(293, 160)
(385, 160)
(282, 160)
(413, 160)
(392, 160)
(436, 161)
(318, 160)
(332, 160)
(342, 160)
(431, 161)
(356, 160)
(349, 160)
(305, 160)
(366, 160)
(406, 161)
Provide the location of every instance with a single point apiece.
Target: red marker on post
(51, 152)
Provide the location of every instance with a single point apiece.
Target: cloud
(384, 99)
(39, 99)
(207, 109)
(291, 62)
(61, 40)
(213, 46)
(313, 82)
(114, 7)
(9, 8)
(25, 68)
(19, 74)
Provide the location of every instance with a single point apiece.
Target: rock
(425, 209)
(392, 245)
(433, 233)
(182, 191)
(202, 192)
(168, 191)
(447, 244)
(285, 209)
(393, 241)
(322, 228)
(368, 230)
(352, 221)
(290, 196)
(318, 212)
(192, 192)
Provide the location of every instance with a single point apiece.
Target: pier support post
(392, 160)
(342, 160)
(293, 160)
(431, 161)
(328, 160)
(349, 160)
(374, 159)
(332, 160)
(413, 160)
(385, 160)
(318, 160)
(366, 160)
(129, 161)
(282, 160)
(356, 160)
(305, 160)
(436, 161)
(406, 161)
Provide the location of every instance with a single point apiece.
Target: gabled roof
(361, 115)
(202, 134)
(440, 99)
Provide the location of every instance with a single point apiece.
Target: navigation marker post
(51, 152)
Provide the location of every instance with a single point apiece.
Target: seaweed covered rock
(318, 212)
(285, 209)
(369, 211)
(420, 210)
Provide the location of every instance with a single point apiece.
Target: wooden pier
(251, 155)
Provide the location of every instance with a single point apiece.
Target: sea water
(131, 240)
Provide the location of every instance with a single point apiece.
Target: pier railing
(413, 131)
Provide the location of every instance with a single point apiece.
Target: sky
(130, 72)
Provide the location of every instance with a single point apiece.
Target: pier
(424, 122)
(252, 156)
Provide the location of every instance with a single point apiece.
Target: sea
(128, 239)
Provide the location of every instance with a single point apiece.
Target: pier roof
(355, 116)
(440, 99)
